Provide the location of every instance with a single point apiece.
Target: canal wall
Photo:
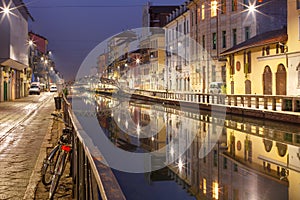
(282, 116)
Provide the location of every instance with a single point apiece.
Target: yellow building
(258, 65)
(293, 45)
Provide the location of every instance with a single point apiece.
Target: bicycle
(55, 163)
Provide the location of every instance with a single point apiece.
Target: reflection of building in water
(244, 159)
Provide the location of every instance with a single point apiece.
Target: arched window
(282, 148)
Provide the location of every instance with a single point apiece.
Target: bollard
(57, 101)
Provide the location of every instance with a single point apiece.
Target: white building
(178, 71)
(13, 49)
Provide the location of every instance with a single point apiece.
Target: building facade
(179, 74)
(218, 25)
(13, 50)
(258, 65)
(293, 46)
(153, 45)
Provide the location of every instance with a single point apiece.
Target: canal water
(193, 154)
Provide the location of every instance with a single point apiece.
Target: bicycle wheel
(49, 166)
(59, 168)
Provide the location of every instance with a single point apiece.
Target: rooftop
(270, 37)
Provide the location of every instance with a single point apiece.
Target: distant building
(39, 41)
(40, 61)
(156, 16)
(14, 50)
(153, 45)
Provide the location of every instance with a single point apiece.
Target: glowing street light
(30, 43)
(252, 8)
(6, 11)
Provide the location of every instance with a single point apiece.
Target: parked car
(53, 88)
(216, 87)
(34, 89)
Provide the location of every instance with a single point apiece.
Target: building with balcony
(179, 74)
(13, 50)
(218, 25)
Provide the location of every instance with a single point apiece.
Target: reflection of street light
(137, 61)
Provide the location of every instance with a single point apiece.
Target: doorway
(281, 80)
(267, 81)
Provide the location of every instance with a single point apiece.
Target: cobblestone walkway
(23, 126)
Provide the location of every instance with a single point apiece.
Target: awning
(8, 62)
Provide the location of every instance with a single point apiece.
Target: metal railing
(268, 102)
(91, 178)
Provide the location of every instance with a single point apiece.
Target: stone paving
(25, 124)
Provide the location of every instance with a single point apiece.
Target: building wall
(13, 40)
(203, 25)
(179, 73)
(293, 46)
(258, 64)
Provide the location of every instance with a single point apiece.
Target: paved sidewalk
(64, 190)
(24, 124)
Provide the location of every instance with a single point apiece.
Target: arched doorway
(267, 81)
(247, 87)
(281, 80)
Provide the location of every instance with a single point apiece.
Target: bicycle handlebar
(61, 118)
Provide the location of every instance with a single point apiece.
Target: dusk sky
(73, 28)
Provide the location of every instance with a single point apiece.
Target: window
(215, 192)
(298, 70)
(198, 15)
(203, 41)
(214, 40)
(213, 73)
(248, 64)
(187, 27)
(203, 11)
(299, 28)
(224, 39)
(204, 186)
(231, 61)
(298, 4)
(215, 158)
(235, 167)
(225, 163)
(263, 51)
(223, 6)
(247, 33)
(234, 5)
(267, 50)
(234, 37)
(213, 8)
(192, 18)
(246, 3)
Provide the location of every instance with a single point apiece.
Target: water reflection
(250, 159)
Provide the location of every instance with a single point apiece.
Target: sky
(73, 27)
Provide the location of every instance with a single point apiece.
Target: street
(24, 124)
